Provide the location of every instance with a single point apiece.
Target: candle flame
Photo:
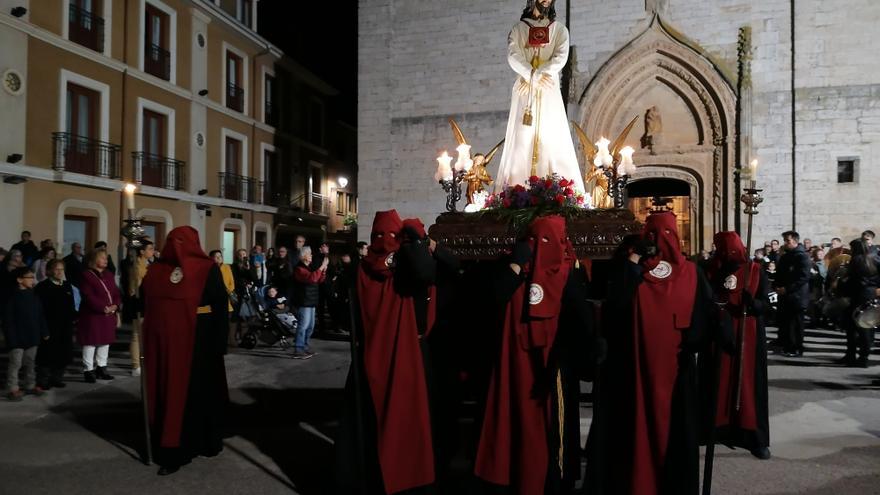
(130, 188)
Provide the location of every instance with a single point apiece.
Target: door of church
(643, 195)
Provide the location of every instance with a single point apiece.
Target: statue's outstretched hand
(546, 81)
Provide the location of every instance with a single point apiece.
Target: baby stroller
(266, 324)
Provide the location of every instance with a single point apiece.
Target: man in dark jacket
(792, 286)
(74, 264)
(29, 251)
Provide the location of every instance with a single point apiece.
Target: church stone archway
(686, 126)
(685, 192)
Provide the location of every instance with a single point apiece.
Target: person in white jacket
(538, 140)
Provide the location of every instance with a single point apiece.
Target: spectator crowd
(48, 303)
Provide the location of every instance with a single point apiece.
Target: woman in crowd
(229, 283)
(98, 317)
(8, 282)
(53, 356)
(40, 265)
(134, 268)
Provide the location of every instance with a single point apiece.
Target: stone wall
(423, 61)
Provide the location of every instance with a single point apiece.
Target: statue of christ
(538, 140)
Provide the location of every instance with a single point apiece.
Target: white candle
(129, 196)
(464, 155)
(444, 171)
(603, 156)
(627, 167)
(753, 173)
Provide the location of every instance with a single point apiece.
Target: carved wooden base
(472, 237)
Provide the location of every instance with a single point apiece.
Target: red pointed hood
(384, 241)
(662, 229)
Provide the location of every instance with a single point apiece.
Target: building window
(268, 100)
(271, 178)
(345, 203)
(230, 244)
(155, 231)
(234, 90)
(79, 229)
(81, 148)
(84, 26)
(244, 12)
(157, 51)
(846, 169)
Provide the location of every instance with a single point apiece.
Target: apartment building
(215, 125)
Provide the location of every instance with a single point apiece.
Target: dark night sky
(321, 36)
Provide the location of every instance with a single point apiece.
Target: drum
(867, 315)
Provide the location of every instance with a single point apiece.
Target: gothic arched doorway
(641, 196)
(685, 130)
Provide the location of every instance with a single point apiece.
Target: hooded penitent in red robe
(663, 307)
(173, 289)
(393, 364)
(513, 448)
(727, 275)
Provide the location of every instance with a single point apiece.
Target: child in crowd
(24, 326)
(280, 307)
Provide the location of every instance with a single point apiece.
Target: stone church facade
(795, 85)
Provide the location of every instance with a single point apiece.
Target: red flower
(580, 200)
(569, 191)
(535, 200)
(534, 178)
(506, 203)
(564, 183)
(560, 199)
(548, 183)
(519, 188)
(503, 194)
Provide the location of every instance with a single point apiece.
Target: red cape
(396, 376)
(169, 329)
(513, 446)
(727, 414)
(662, 311)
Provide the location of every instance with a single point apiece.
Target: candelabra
(452, 186)
(133, 231)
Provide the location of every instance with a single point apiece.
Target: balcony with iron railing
(235, 97)
(273, 196)
(312, 203)
(157, 61)
(85, 28)
(72, 153)
(158, 171)
(239, 188)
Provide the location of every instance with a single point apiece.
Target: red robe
(393, 365)
(513, 448)
(729, 249)
(169, 330)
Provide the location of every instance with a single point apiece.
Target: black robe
(207, 395)
(606, 468)
(60, 313)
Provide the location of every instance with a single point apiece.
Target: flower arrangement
(551, 192)
(350, 220)
(522, 203)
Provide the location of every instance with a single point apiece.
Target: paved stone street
(825, 430)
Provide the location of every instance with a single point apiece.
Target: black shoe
(846, 361)
(166, 470)
(57, 384)
(860, 363)
(762, 453)
(89, 376)
(795, 354)
(101, 373)
(212, 452)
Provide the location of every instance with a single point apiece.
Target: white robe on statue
(556, 153)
